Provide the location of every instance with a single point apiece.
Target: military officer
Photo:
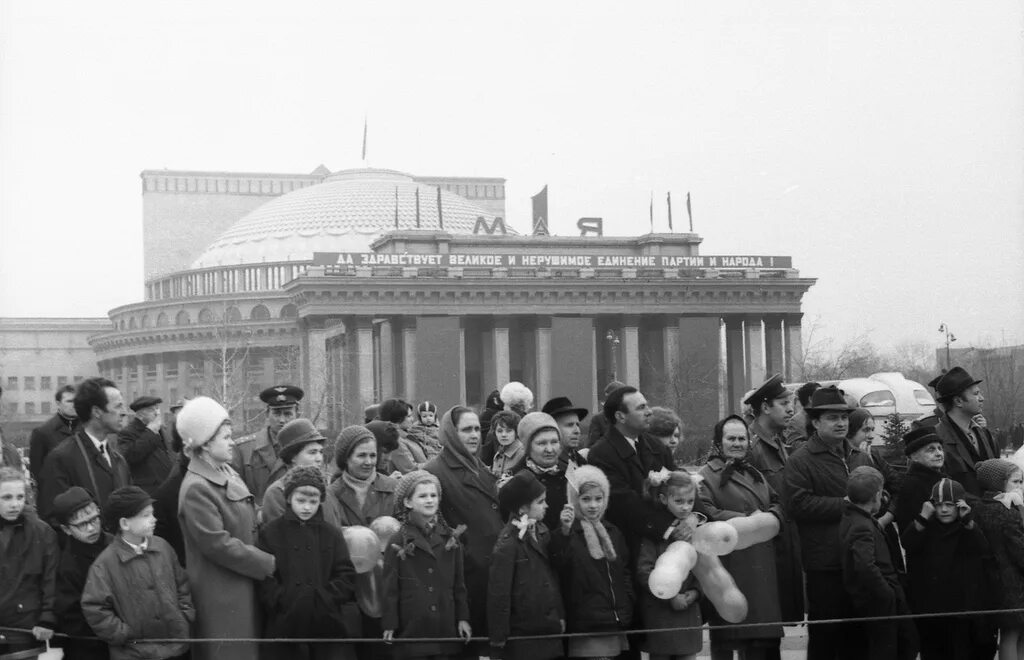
(256, 456)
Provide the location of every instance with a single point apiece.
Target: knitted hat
(585, 475)
(520, 490)
(198, 421)
(919, 439)
(125, 502)
(386, 434)
(67, 504)
(407, 486)
(947, 490)
(531, 424)
(307, 475)
(294, 436)
(993, 473)
(350, 438)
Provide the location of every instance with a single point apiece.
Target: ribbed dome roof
(345, 213)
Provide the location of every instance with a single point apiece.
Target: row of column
(757, 347)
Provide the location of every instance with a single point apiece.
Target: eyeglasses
(86, 524)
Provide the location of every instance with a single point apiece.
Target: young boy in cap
(869, 574)
(136, 588)
(311, 593)
(946, 557)
(523, 596)
(79, 517)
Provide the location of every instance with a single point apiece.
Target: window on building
(12, 408)
(44, 407)
(30, 382)
(171, 369)
(30, 407)
(61, 381)
(44, 383)
(12, 382)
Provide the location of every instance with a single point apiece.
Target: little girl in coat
(523, 596)
(424, 589)
(677, 495)
(591, 556)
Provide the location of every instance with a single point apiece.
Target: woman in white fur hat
(218, 521)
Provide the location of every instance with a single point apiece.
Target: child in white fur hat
(591, 556)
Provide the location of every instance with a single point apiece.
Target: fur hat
(198, 421)
(517, 396)
(68, 503)
(522, 489)
(947, 490)
(125, 502)
(533, 423)
(350, 438)
(407, 486)
(585, 475)
(307, 475)
(993, 473)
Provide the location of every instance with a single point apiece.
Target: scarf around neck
(734, 465)
(599, 544)
(361, 487)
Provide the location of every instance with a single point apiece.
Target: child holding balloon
(676, 494)
(311, 592)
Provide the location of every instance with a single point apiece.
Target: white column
(543, 339)
(502, 359)
(409, 358)
(631, 353)
(753, 338)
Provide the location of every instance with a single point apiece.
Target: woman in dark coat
(924, 449)
(470, 498)
(541, 439)
(733, 488)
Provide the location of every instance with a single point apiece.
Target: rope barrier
(420, 640)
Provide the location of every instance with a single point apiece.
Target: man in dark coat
(256, 456)
(963, 439)
(86, 459)
(142, 445)
(796, 426)
(53, 431)
(815, 488)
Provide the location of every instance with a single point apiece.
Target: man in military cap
(964, 441)
(256, 456)
(142, 445)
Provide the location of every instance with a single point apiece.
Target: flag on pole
(364, 139)
(417, 207)
(652, 211)
(689, 211)
(669, 197)
(440, 217)
(540, 213)
(396, 207)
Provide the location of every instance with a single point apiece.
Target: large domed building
(364, 284)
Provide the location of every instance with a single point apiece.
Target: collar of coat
(758, 430)
(621, 445)
(856, 510)
(126, 553)
(236, 488)
(478, 482)
(816, 445)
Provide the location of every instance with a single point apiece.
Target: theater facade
(366, 284)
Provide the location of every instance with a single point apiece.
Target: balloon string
(512, 638)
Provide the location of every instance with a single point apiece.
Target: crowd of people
(430, 531)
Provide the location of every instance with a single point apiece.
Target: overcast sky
(881, 144)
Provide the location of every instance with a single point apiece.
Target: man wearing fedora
(256, 456)
(568, 418)
(142, 445)
(815, 490)
(964, 441)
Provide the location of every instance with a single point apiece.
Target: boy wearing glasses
(79, 517)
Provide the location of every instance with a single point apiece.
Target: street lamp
(613, 344)
(950, 338)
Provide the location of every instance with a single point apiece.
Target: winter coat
(960, 455)
(598, 593)
(131, 596)
(274, 504)
(311, 591)
(627, 471)
(425, 435)
(72, 572)
(598, 428)
(504, 463)
(463, 502)
(753, 568)
(915, 490)
(165, 508)
(657, 613)
(424, 590)
(1004, 532)
(255, 460)
(45, 438)
(146, 454)
(28, 573)
(947, 567)
(77, 462)
(769, 454)
(815, 480)
(524, 596)
(408, 457)
(869, 574)
(218, 520)
(555, 484)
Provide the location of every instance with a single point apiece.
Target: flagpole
(669, 199)
(689, 211)
(652, 211)
(417, 207)
(396, 207)
(440, 216)
(364, 140)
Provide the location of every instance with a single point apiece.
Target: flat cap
(145, 402)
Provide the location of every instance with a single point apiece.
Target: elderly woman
(470, 498)
(541, 439)
(358, 496)
(217, 514)
(733, 488)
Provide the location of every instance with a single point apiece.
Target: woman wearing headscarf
(734, 488)
(470, 499)
(217, 514)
